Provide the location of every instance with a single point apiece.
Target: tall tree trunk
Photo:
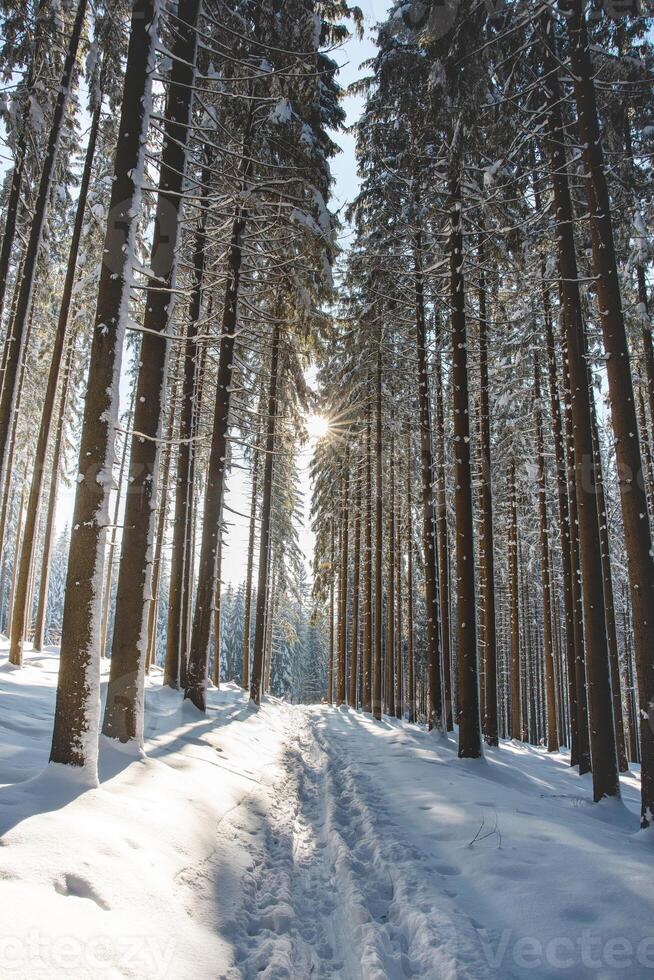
(6, 476)
(247, 607)
(30, 263)
(78, 703)
(332, 574)
(20, 612)
(44, 577)
(341, 685)
(489, 706)
(390, 586)
(466, 629)
(123, 713)
(178, 604)
(583, 735)
(515, 686)
(217, 619)
(113, 530)
(198, 661)
(17, 539)
(356, 572)
(366, 660)
(545, 575)
(601, 730)
(399, 629)
(630, 690)
(266, 507)
(609, 604)
(428, 508)
(379, 546)
(160, 536)
(443, 546)
(411, 684)
(648, 472)
(271, 595)
(648, 348)
(564, 528)
(638, 538)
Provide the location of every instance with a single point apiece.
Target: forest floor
(306, 842)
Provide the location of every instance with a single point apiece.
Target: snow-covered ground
(306, 842)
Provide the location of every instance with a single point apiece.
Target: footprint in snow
(447, 869)
(78, 887)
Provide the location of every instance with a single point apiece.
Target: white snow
(306, 842)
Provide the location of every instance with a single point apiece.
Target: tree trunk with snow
(123, 713)
(379, 545)
(20, 610)
(601, 730)
(356, 577)
(74, 740)
(466, 624)
(638, 539)
(344, 536)
(428, 508)
(545, 572)
(266, 506)
(489, 704)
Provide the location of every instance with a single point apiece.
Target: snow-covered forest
(326, 505)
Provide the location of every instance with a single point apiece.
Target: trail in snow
(332, 890)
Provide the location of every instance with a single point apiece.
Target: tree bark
(601, 730)
(545, 574)
(564, 530)
(332, 572)
(399, 630)
(411, 684)
(123, 713)
(390, 586)
(247, 607)
(215, 486)
(515, 686)
(178, 604)
(366, 672)
(609, 604)
(341, 676)
(77, 706)
(44, 577)
(106, 592)
(356, 574)
(379, 546)
(443, 546)
(20, 612)
(266, 507)
(489, 706)
(160, 536)
(466, 628)
(217, 610)
(428, 508)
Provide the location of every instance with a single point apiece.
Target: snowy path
(333, 891)
(365, 864)
(293, 842)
